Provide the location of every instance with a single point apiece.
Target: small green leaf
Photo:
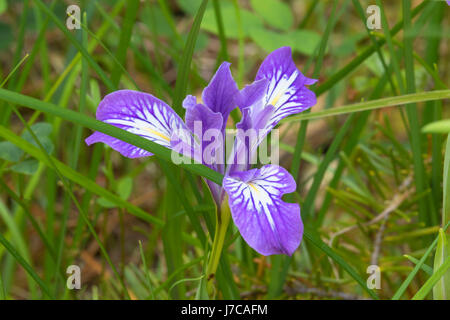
(249, 21)
(441, 290)
(46, 143)
(189, 6)
(106, 203)
(42, 130)
(125, 187)
(269, 40)
(304, 41)
(3, 6)
(10, 152)
(26, 167)
(276, 13)
(95, 91)
(441, 126)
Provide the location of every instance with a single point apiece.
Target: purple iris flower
(267, 223)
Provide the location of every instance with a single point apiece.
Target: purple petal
(267, 223)
(203, 115)
(204, 123)
(220, 94)
(200, 119)
(189, 102)
(286, 90)
(252, 93)
(278, 91)
(251, 132)
(139, 113)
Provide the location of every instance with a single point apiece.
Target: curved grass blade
(223, 55)
(78, 178)
(81, 119)
(147, 275)
(77, 44)
(446, 196)
(26, 266)
(438, 274)
(183, 281)
(124, 40)
(441, 290)
(80, 210)
(441, 126)
(427, 211)
(185, 65)
(373, 105)
(425, 268)
(33, 221)
(19, 242)
(400, 291)
(347, 69)
(315, 240)
(278, 278)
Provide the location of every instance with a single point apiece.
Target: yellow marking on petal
(251, 185)
(157, 133)
(275, 100)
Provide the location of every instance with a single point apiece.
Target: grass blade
(75, 117)
(446, 196)
(401, 290)
(438, 274)
(441, 290)
(124, 40)
(373, 105)
(26, 266)
(78, 178)
(185, 64)
(310, 236)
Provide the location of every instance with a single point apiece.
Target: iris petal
(221, 92)
(199, 114)
(139, 113)
(267, 223)
(286, 90)
(278, 91)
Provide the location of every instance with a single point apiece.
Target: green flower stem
(222, 222)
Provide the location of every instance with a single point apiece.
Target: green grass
(370, 159)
